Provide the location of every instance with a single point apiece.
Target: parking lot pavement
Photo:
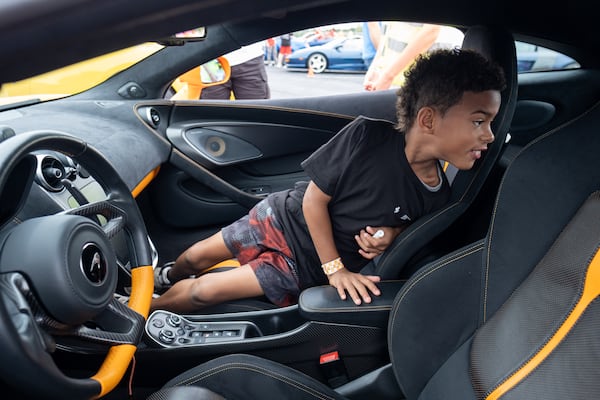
(286, 84)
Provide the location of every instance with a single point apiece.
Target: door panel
(227, 158)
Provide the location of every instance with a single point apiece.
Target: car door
(349, 54)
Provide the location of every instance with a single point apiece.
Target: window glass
(329, 60)
(77, 77)
(340, 59)
(532, 58)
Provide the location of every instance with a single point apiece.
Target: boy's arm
(316, 214)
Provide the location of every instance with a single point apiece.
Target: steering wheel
(58, 274)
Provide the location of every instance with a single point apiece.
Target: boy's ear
(425, 117)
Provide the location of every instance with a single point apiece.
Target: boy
(372, 176)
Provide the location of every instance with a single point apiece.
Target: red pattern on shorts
(257, 240)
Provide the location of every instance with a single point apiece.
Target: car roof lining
(106, 26)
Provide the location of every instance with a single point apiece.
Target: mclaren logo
(93, 264)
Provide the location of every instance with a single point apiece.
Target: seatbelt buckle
(333, 368)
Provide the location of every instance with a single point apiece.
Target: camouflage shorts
(257, 240)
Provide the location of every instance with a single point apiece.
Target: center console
(320, 304)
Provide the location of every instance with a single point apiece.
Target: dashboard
(62, 184)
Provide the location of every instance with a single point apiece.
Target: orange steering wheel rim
(119, 357)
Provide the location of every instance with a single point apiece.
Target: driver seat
(513, 316)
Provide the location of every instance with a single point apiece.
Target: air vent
(50, 173)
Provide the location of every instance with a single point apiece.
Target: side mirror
(189, 85)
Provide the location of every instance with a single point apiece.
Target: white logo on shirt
(404, 217)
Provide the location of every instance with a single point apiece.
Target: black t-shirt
(365, 171)
(286, 39)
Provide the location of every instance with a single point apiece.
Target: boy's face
(465, 129)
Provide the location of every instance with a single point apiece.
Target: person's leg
(217, 92)
(268, 268)
(271, 56)
(198, 257)
(189, 295)
(251, 81)
(208, 252)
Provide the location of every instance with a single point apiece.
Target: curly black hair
(439, 78)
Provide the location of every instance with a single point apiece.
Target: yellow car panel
(77, 77)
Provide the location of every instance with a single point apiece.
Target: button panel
(167, 329)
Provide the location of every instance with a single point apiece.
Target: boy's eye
(479, 122)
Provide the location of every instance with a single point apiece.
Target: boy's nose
(488, 137)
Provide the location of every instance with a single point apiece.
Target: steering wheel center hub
(93, 263)
(72, 269)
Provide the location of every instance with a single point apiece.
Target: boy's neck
(420, 161)
(428, 172)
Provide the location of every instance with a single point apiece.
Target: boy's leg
(189, 295)
(198, 257)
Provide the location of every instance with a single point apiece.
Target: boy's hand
(373, 241)
(356, 285)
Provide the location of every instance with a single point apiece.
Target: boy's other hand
(356, 285)
(373, 241)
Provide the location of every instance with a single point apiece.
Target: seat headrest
(498, 45)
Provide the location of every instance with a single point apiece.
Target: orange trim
(114, 367)
(591, 290)
(145, 182)
(142, 281)
(118, 358)
(445, 167)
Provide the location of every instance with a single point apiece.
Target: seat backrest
(463, 325)
(498, 45)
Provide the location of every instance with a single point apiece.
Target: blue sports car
(343, 54)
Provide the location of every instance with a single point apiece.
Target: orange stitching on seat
(591, 290)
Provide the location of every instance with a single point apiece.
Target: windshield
(75, 78)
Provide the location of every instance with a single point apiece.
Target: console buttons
(167, 329)
(174, 320)
(158, 323)
(166, 336)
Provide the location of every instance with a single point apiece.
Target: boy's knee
(203, 294)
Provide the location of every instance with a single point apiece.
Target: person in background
(285, 49)
(270, 52)
(400, 44)
(371, 33)
(367, 184)
(248, 78)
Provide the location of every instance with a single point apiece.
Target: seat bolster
(242, 376)
(185, 393)
(519, 337)
(417, 346)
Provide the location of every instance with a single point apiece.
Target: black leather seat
(512, 316)
(498, 45)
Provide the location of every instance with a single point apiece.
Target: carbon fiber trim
(524, 324)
